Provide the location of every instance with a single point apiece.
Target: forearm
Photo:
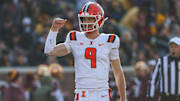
(50, 42)
(121, 84)
(119, 77)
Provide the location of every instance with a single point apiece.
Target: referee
(167, 73)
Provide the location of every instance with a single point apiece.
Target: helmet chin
(85, 27)
(90, 32)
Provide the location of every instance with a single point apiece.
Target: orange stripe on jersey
(111, 38)
(73, 35)
(77, 96)
(110, 93)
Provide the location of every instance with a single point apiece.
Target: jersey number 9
(90, 53)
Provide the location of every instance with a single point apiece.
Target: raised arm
(119, 78)
(50, 46)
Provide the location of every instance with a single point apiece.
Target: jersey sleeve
(114, 52)
(67, 43)
(116, 42)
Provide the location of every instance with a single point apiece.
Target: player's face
(88, 22)
(88, 19)
(174, 50)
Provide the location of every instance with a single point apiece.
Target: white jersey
(92, 58)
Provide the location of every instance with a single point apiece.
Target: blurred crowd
(44, 85)
(144, 27)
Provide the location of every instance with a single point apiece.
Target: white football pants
(92, 95)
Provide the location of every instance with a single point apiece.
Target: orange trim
(83, 93)
(111, 38)
(110, 93)
(73, 35)
(77, 96)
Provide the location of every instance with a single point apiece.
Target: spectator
(44, 91)
(3, 87)
(29, 85)
(162, 41)
(20, 60)
(4, 60)
(151, 63)
(57, 74)
(14, 92)
(139, 82)
(126, 45)
(36, 56)
(175, 31)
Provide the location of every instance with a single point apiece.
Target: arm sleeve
(67, 43)
(50, 42)
(153, 81)
(114, 53)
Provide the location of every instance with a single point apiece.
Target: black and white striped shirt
(167, 73)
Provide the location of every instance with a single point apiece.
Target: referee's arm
(154, 80)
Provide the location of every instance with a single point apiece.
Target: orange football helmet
(91, 10)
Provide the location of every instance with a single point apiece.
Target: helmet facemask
(89, 26)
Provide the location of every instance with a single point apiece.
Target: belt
(170, 96)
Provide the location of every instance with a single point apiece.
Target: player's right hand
(57, 24)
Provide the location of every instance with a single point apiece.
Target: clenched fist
(57, 24)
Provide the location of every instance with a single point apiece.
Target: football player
(93, 53)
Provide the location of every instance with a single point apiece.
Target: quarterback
(93, 53)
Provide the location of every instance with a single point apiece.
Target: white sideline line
(67, 69)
